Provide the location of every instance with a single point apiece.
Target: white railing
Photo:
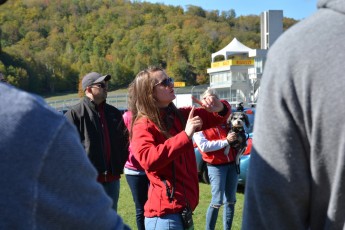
(120, 101)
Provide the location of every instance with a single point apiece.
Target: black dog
(237, 121)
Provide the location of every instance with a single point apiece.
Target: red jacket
(156, 154)
(218, 157)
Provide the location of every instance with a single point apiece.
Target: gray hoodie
(46, 180)
(297, 171)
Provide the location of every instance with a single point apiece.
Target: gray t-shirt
(297, 171)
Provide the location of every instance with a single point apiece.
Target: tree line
(46, 46)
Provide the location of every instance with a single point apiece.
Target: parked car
(244, 160)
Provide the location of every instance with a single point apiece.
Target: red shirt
(107, 176)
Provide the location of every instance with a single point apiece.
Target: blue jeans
(113, 191)
(223, 180)
(139, 185)
(166, 222)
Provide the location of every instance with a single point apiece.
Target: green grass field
(126, 208)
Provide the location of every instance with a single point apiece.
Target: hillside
(46, 46)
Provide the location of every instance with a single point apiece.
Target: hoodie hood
(336, 5)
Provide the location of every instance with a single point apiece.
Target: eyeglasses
(100, 85)
(166, 82)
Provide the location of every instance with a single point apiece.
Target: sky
(296, 9)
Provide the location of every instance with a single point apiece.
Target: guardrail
(120, 101)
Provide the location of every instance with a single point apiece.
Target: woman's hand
(192, 124)
(212, 104)
(231, 137)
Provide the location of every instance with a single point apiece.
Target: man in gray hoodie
(297, 171)
(46, 180)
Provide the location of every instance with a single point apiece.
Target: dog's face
(239, 119)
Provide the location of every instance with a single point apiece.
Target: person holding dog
(161, 140)
(215, 147)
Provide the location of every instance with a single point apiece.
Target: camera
(187, 218)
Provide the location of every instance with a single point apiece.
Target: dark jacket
(85, 117)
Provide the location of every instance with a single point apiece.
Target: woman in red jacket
(161, 140)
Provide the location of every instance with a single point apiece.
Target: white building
(236, 69)
(271, 27)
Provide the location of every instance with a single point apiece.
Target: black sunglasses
(100, 85)
(166, 82)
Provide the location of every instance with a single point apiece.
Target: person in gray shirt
(296, 175)
(47, 181)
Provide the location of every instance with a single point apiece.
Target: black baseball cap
(92, 78)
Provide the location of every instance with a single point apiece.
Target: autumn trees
(47, 46)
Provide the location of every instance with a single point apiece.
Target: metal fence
(120, 101)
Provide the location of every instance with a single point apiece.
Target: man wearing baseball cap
(102, 132)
